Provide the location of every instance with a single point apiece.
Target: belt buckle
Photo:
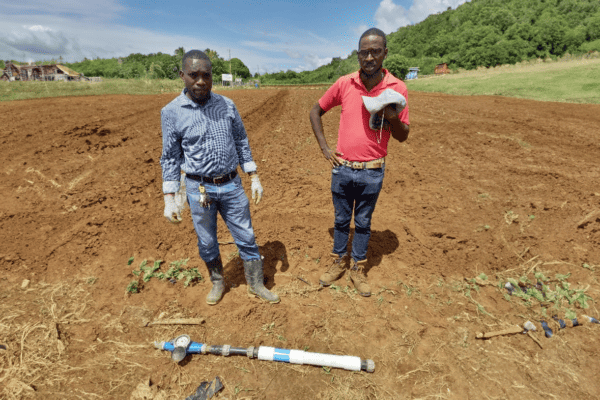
(357, 165)
(218, 179)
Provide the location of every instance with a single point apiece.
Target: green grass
(573, 81)
(35, 90)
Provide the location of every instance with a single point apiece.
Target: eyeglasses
(373, 52)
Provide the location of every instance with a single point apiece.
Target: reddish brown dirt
(81, 194)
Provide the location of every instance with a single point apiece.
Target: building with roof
(48, 72)
(413, 73)
(441, 69)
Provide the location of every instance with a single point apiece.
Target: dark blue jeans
(354, 190)
(229, 200)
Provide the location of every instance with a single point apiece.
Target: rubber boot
(335, 270)
(215, 270)
(253, 270)
(359, 278)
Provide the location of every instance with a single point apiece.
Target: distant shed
(441, 69)
(412, 73)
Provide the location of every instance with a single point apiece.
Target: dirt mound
(489, 185)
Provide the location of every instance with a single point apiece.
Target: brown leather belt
(364, 165)
(216, 179)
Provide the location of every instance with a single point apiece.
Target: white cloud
(37, 28)
(293, 54)
(313, 61)
(390, 16)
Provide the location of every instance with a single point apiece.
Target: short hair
(375, 32)
(195, 55)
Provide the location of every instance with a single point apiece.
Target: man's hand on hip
(172, 212)
(332, 157)
(257, 189)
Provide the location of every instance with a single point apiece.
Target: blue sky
(267, 35)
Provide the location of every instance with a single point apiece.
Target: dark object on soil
(3, 347)
(547, 329)
(207, 390)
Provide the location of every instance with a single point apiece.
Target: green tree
(212, 54)
(397, 65)
(239, 68)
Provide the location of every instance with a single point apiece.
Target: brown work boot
(335, 270)
(359, 278)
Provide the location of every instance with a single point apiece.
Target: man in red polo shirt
(359, 161)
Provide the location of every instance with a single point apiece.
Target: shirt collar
(355, 76)
(185, 101)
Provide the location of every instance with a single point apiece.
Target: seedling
(175, 273)
(132, 287)
(561, 296)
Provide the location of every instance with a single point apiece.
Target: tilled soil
(491, 185)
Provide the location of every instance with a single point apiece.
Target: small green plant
(588, 266)
(91, 280)
(130, 261)
(268, 327)
(176, 272)
(132, 287)
(560, 297)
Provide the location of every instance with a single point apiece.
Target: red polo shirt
(356, 140)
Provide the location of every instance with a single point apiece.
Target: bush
(397, 65)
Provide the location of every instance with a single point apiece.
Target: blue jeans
(354, 190)
(230, 200)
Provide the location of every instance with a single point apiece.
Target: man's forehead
(197, 63)
(371, 41)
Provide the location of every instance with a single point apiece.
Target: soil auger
(182, 345)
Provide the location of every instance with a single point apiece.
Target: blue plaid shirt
(207, 140)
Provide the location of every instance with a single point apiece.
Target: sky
(267, 35)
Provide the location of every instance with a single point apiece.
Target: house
(48, 72)
(441, 69)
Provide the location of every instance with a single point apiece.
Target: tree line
(479, 33)
(485, 33)
(156, 66)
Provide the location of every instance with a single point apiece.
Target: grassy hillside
(576, 81)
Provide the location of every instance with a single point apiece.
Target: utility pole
(229, 61)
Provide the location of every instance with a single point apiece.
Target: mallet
(182, 345)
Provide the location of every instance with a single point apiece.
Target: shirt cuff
(170, 187)
(249, 167)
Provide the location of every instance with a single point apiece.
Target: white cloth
(257, 189)
(378, 103)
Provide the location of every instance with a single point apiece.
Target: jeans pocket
(375, 173)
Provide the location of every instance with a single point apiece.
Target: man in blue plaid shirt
(203, 135)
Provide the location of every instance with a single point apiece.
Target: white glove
(257, 189)
(172, 212)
